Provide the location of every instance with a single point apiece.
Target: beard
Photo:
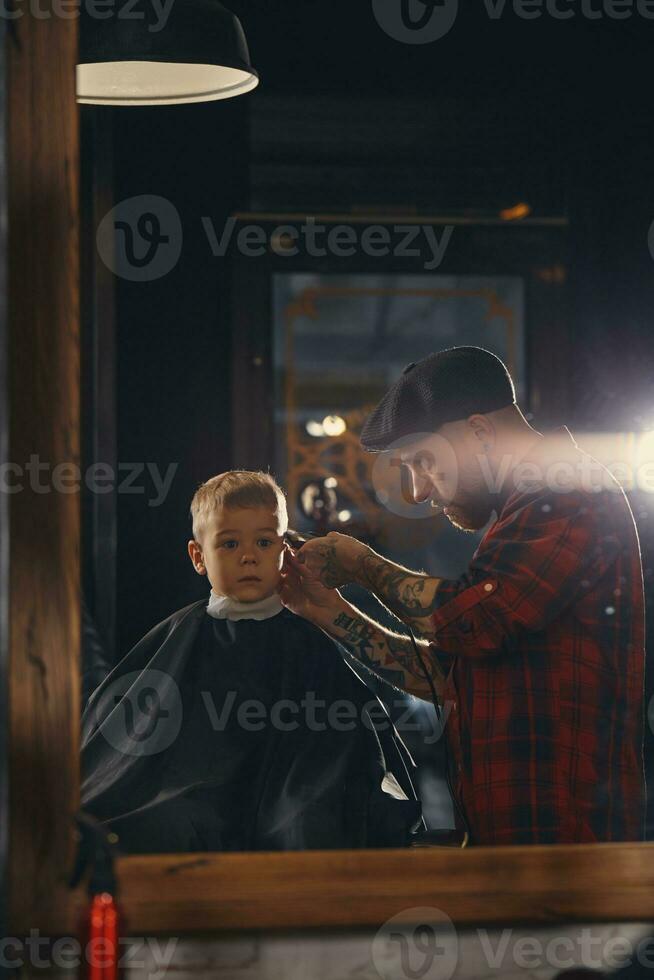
(470, 515)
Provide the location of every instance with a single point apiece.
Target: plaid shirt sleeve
(528, 568)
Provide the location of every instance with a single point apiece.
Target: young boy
(235, 724)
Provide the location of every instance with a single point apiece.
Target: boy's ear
(196, 556)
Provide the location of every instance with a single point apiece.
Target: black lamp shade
(169, 52)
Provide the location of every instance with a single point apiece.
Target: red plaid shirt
(544, 638)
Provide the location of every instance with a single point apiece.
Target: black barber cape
(213, 734)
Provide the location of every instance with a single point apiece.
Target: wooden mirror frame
(40, 629)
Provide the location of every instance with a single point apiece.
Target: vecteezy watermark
(432, 457)
(423, 943)
(341, 241)
(417, 944)
(585, 948)
(425, 21)
(153, 12)
(148, 955)
(416, 21)
(316, 715)
(67, 477)
(141, 238)
(418, 475)
(141, 714)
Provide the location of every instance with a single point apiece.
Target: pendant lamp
(162, 52)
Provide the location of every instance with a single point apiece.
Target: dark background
(555, 113)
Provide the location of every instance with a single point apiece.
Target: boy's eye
(228, 544)
(264, 542)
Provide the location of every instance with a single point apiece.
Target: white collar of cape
(224, 607)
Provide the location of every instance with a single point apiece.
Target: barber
(536, 653)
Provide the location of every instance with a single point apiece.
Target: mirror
(230, 325)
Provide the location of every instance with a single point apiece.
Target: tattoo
(380, 649)
(409, 595)
(333, 574)
(359, 638)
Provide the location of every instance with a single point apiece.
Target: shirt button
(488, 587)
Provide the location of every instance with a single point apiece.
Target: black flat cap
(444, 387)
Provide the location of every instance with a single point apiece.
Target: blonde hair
(238, 488)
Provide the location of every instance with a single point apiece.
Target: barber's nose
(421, 488)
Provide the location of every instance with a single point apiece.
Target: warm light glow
(344, 515)
(159, 83)
(331, 482)
(334, 425)
(315, 429)
(628, 455)
(516, 213)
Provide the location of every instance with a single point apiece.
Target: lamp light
(199, 54)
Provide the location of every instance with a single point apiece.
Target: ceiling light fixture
(199, 54)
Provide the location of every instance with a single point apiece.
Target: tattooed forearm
(357, 636)
(333, 574)
(381, 649)
(409, 595)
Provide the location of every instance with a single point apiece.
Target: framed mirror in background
(183, 893)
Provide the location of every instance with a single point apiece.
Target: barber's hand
(332, 561)
(304, 596)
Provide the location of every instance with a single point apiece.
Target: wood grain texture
(44, 605)
(490, 885)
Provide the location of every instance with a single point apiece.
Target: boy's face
(241, 552)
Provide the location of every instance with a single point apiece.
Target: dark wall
(173, 352)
